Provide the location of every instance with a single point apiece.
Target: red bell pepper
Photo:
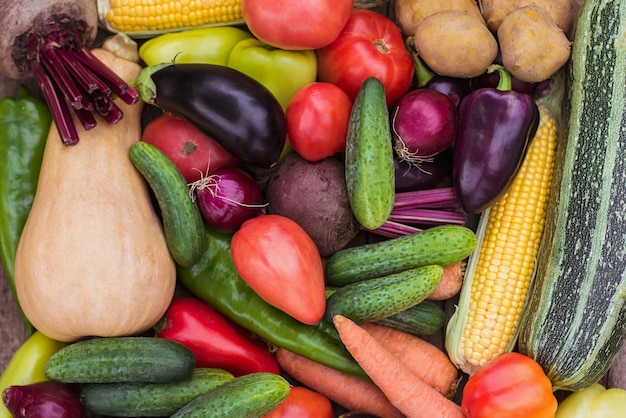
(215, 341)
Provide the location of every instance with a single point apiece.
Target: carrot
(407, 392)
(351, 392)
(422, 358)
(451, 282)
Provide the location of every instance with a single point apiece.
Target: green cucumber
(425, 318)
(443, 245)
(183, 224)
(248, 396)
(121, 359)
(377, 298)
(149, 399)
(370, 176)
(575, 320)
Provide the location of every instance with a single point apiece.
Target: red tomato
(188, 148)
(317, 120)
(296, 24)
(512, 385)
(369, 45)
(303, 403)
(279, 260)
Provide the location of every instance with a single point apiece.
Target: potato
(532, 46)
(494, 11)
(409, 13)
(455, 44)
(315, 196)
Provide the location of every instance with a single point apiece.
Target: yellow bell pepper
(27, 364)
(594, 402)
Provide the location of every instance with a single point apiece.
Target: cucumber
(183, 224)
(425, 318)
(370, 175)
(121, 359)
(443, 245)
(575, 320)
(149, 399)
(373, 299)
(248, 396)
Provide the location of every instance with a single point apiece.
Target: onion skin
(46, 399)
(228, 198)
(15, 19)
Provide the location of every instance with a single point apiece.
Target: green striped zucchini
(575, 320)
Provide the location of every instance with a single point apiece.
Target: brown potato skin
(409, 13)
(533, 47)
(455, 44)
(494, 11)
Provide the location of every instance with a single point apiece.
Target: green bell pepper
(593, 402)
(27, 364)
(215, 280)
(24, 125)
(283, 72)
(203, 45)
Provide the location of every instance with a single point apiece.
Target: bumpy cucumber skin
(370, 176)
(149, 399)
(378, 298)
(121, 359)
(248, 396)
(182, 221)
(443, 245)
(425, 318)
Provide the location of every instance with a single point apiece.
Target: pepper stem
(422, 72)
(506, 82)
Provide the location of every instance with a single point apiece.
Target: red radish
(424, 124)
(227, 198)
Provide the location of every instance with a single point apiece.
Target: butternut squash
(92, 259)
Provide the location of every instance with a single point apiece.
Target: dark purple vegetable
(227, 198)
(43, 400)
(491, 79)
(227, 105)
(434, 172)
(496, 127)
(314, 195)
(49, 40)
(423, 124)
(455, 88)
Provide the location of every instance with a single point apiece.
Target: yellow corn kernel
(158, 15)
(500, 271)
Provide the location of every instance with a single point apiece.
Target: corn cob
(500, 270)
(153, 16)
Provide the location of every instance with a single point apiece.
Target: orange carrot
(422, 358)
(451, 282)
(351, 392)
(403, 388)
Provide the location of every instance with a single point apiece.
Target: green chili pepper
(215, 280)
(27, 364)
(24, 125)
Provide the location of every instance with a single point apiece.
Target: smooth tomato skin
(191, 151)
(303, 403)
(317, 120)
(369, 45)
(282, 264)
(512, 385)
(296, 24)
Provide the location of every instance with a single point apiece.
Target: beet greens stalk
(50, 40)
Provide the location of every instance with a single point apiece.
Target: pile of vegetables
(281, 219)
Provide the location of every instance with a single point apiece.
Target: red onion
(49, 39)
(43, 400)
(424, 123)
(227, 198)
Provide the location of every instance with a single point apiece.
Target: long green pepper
(24, 125)
(215, 280)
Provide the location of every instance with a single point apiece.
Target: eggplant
(46, 399)
(455, 88)
(429, 174)
(231, 107)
